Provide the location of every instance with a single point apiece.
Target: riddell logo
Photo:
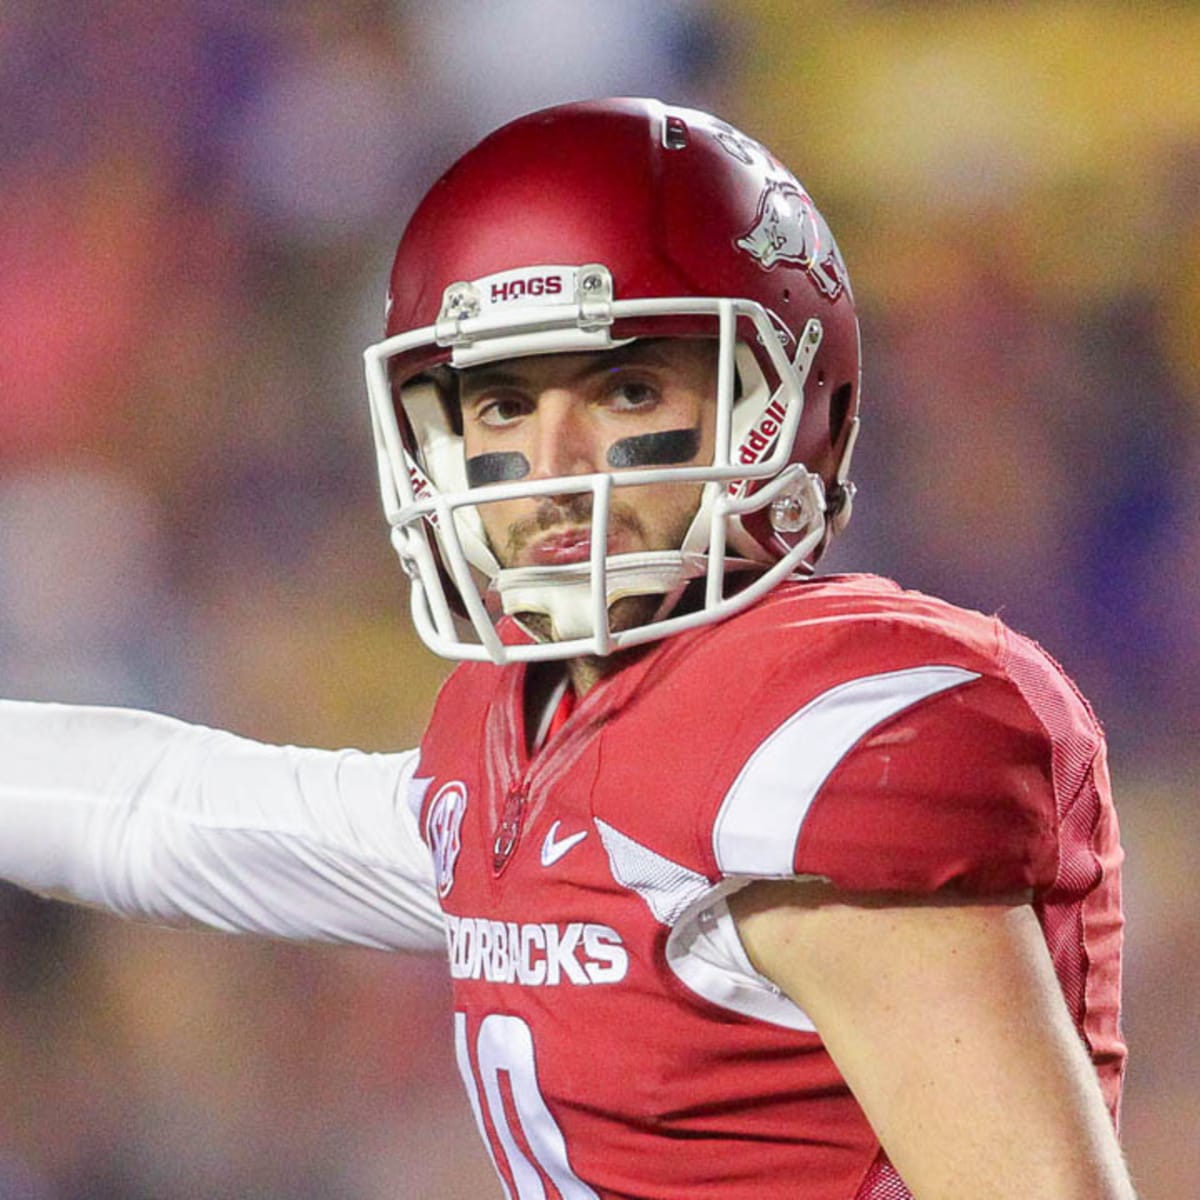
(422, 488)
(420, 485)
(535, 285)
(762, 437)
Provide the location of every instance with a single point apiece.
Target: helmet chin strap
(564, 592)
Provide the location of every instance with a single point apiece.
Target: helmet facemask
(460, 592)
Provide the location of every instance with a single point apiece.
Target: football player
(753, 883)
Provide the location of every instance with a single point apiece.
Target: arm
(947, 1022)
(153, 818)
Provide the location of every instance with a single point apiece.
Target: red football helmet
(580, 228)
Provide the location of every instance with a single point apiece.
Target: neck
(585, 673)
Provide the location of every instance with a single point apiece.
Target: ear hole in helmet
(839, 406)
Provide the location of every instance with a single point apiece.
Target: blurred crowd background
(198, 205)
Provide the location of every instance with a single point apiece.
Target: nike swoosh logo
(553, 850)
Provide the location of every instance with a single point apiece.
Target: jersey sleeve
(156, 819)
(909, 780)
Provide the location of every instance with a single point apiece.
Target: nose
(564, 439)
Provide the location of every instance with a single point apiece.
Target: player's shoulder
(807, 640)
(825, 630)
(810, 615)
(847, 728)
(859, 720)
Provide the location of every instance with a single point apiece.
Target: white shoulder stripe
(760, 818)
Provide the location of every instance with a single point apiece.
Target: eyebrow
(482, 379)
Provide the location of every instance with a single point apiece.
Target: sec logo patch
(443, 826)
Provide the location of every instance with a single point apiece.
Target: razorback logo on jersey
(535, 954)
(443, 832)
(788, 229)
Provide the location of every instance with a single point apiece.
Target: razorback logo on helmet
(443, 826)
(788, 229)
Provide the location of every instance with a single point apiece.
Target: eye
(499, 409)
(632, 395)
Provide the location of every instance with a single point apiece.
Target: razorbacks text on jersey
(613, 1037)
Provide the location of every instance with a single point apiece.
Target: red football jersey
(613, 1037)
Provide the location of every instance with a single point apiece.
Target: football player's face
(651, 403)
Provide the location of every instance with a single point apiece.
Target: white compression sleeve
(156, 819)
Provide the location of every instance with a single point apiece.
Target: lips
(546, 541)
(566, 546)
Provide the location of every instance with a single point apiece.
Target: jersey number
(504, 1047)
